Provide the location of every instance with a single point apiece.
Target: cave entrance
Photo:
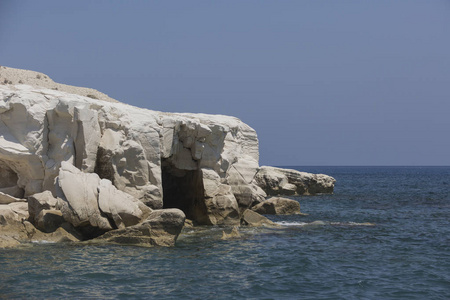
(9, 180)
(183, 189)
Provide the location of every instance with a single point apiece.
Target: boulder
(277, 206)
(40, 201)
(251, 218)
(20, 210)
(63, 233)
(12, 235)
(278, 181)
(221, 205)
(15, 229)
(78, 198)
(119, 206)
(222, 209)
(48, 220)
(12, 229)
(289, 189)
(161, 228)
(13, 213)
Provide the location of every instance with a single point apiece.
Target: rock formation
(277, 206)
(277, 181)
(251, 218)
(161, 228)
(104, 166)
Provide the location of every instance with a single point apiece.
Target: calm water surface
(406, 255)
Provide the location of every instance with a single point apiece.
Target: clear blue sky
(322, 82)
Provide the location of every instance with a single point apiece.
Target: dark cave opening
(103, 165)
(183, 189)
(9, 181)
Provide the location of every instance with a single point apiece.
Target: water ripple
(405, 255)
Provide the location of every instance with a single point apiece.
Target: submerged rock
(234, 233)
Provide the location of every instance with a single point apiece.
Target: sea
(383, 234)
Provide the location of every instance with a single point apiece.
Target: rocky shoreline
(75, 168)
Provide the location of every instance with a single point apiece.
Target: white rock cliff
(103, 159)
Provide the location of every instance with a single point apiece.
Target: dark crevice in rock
(8, 177)
(89, 232)
(104, 165)
(9, 181)
(183, 189)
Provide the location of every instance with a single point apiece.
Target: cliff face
(73, 167)
(202, 164)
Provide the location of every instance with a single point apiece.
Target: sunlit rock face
(204, 165)
(278, 181)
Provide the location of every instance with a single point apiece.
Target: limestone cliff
(50, 135)
(202, 164)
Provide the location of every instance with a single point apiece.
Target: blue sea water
(405, 255)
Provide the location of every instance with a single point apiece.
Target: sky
(322, 82)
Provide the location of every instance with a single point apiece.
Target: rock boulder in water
(251, 218)
(39, 202)
(277, 206)
(161, 228)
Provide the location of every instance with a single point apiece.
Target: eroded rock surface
(278, 181)
(161, 228)
(109, 165)
(119, 206)
(277, 206)
(138, 150)
(39, 202)
(251, 218)
(15, 229)
(78, 198)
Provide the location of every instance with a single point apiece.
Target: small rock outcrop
(123, 209)
(43, 212)
(277, 206)
(278, 181)
(251, 218)
(78, 198)
(161, 228)
(234, 234)
(16, 229)
(13, 213)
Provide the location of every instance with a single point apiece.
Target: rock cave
(183, 189)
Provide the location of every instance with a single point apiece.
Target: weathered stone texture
(278, 181)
